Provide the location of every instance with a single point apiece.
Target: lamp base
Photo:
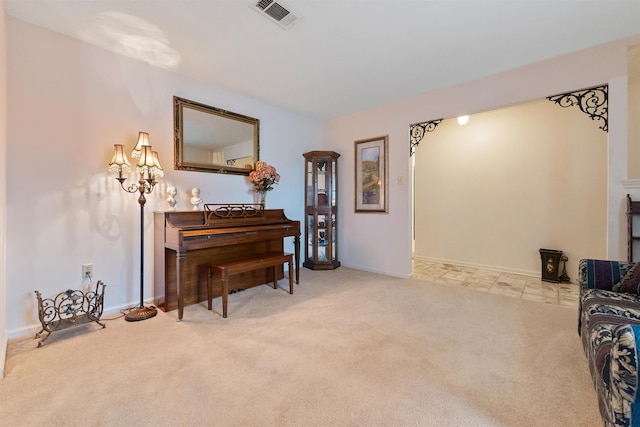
(140, 313)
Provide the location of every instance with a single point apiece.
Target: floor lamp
(148, 168)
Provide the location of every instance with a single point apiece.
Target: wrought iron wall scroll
(592, 101)
(417, 132)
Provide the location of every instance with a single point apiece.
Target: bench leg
(275, 280)
(225, 293)
(209, 290)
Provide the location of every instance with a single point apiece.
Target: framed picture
(372, 176)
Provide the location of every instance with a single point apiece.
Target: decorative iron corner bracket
(592, 101)
(417, 132)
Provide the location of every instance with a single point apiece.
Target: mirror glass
(209, 139)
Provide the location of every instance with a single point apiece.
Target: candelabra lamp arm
(133, 188)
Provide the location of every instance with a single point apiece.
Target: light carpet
(348, 348)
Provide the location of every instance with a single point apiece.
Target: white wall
(634, 111)
(617, 168)
(512, 181)
(383, 242)
(3, 189)
(68, 103)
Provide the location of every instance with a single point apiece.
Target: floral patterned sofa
(609, 325)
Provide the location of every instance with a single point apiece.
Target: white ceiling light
(462, 120)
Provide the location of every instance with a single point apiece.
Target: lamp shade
(157, 167)
(463, 120)
(119, 163)
(146, 165)
(143, 140)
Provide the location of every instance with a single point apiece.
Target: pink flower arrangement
(264, 177)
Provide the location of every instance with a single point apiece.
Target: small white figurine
(196, 200)
(171, 198)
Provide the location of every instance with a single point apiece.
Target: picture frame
(371, 175)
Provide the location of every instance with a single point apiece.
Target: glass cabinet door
(309, 183)
(332, 230)
(310, 253)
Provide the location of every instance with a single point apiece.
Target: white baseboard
(373, 270)
(36, 327)
(536, 274)
(3, 353)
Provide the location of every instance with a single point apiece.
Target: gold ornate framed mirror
(210, 139)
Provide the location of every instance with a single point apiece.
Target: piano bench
(228, 269)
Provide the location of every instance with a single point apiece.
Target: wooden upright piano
(185, 242)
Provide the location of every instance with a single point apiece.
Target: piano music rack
(228, 210)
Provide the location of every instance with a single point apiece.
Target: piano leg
(180, 280)
(296, 244)
(290, 276)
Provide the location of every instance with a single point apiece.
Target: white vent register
(276, 12)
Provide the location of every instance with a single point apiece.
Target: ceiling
(342, 56)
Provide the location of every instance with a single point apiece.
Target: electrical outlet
(87, 270)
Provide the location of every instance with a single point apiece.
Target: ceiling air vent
(276, 12)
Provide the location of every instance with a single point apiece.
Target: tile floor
(515, 285)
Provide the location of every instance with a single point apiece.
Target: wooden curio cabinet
(321, 209)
